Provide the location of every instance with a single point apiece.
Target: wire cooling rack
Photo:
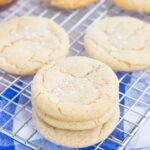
(15, 95)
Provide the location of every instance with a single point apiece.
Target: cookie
(84, 125)
(133, 5)
(76, 139)
(4, 2)
(75, 89)
(71, 4)
(123, 43)
(28, 43)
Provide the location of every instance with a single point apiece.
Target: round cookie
(75, 89)
(123, 43)
(4, 2)
(71, 4)
(133, 5)
(76, 139)
(84, 125)
(29, 42)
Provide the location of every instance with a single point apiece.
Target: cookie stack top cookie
(75, 89)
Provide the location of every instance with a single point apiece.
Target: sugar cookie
(71, 4)
(29, 42)
(4, 2)
(123, 43)
(75, 139)
(75, 89)
(134, 5)
(84, 125)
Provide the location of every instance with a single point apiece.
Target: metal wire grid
(137, 91)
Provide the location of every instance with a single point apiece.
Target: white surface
(141, 138)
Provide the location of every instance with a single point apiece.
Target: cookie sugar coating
(134, 5)
(28, 43)
(75, 89)
(71, 4)
(121, 42)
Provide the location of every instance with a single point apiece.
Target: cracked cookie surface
(134, 5)
(123, 43)
(75, 89)
(28, 43)
(71, 4)
(76, 139)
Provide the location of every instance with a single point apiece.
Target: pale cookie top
(121, 42)
(28, 43)
(75, 89)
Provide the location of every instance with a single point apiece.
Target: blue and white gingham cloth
(140, 142)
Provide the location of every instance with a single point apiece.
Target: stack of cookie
(75, 106)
